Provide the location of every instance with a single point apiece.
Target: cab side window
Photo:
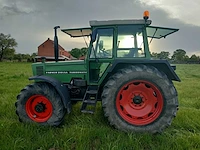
(130, 42)
(103, 46)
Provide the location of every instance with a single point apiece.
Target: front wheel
(140, 99)
(40, 103)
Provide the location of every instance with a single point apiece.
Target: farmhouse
(46, 50)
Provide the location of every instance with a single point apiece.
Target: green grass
(84, 131)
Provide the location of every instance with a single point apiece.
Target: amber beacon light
(146, 15)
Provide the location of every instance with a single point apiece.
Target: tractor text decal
(65, 72)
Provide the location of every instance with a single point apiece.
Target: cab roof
(119, 22)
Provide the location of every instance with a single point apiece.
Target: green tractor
(136, 92)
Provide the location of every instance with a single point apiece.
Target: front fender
(60, 88)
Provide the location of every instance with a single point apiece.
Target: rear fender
(162, 65)
(60, 88)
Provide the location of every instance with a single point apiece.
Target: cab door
(101, 54)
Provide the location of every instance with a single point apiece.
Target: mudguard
(162, 65)
(61, 89)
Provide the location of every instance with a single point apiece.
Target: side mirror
(94, 35)
(101, 44)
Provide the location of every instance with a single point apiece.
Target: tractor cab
(120, 38)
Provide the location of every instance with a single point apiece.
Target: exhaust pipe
(56, 43)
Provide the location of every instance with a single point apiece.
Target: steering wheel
(104, 53)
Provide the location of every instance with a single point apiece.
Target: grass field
(93, 132)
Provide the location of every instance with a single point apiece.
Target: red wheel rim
(139, 102)
(39, 108)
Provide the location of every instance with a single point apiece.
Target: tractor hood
(62, 71)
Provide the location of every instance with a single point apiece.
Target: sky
(31, 22)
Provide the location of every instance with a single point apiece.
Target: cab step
(90, 100)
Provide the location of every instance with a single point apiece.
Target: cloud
(31, 22)
(11, 7)
(183, 10)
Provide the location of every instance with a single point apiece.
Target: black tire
(116, 100)
(50, 109)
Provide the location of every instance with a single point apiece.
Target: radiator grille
(39, 70)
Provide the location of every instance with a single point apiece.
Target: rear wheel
(41, 103)
(143, 100)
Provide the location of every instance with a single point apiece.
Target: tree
(163, 55)
(194, 58)
(186, 58)
(32, 58)
(154, 55)
(84, 51)
(26, 56)
(18, 57)
(6, 44)
(179, 55)
(9, 54)
(76, 52)
(33, 55)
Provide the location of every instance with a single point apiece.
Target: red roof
(49, 40)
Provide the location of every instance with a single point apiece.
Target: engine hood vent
(39, 70)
